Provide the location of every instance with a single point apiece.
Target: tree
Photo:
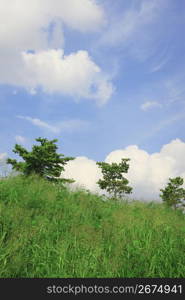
(43, 160)
(113, 181)
(173, 195)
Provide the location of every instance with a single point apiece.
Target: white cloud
(148, 173)
(20, 139)
(85, 173)
(24, 23)
(38, 26)
(150, 104)
(83, 15)
(75, 74)
(68, 125)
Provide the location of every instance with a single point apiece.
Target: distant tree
(43, 160)
(174, 195)
(113, 181)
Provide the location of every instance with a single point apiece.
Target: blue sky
(96, 75)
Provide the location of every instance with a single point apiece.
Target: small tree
(113, 181)
(42, 160)
(173, 194)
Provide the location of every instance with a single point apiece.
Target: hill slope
(46, 231)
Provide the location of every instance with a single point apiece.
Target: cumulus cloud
(85, 172)
(150, 104)
(75, 74)
(25, 23)
(68, 125)
(148, 173)
(36, 28)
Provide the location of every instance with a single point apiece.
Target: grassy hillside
(46, 231)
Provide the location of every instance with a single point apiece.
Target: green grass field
(47, 231)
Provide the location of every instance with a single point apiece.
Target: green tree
(43, 160)
(113, 181)
(174, 195)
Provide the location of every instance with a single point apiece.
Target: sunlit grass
(47, 231)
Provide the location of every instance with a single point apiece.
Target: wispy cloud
(135, 29)
(168, 91)
(40, 124)
(160, 64)
(123, 28)
(175, 88)
(68, 125)
(149, 105)
(162, 125)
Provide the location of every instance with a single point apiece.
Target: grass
(47, 231)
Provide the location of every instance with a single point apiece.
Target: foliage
(174, 195)
(43, 160)
(113, 181)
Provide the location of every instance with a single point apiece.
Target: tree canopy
(43, 160)
(113, 181)
(174, 195)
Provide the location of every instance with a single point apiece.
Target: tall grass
(48, 231)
